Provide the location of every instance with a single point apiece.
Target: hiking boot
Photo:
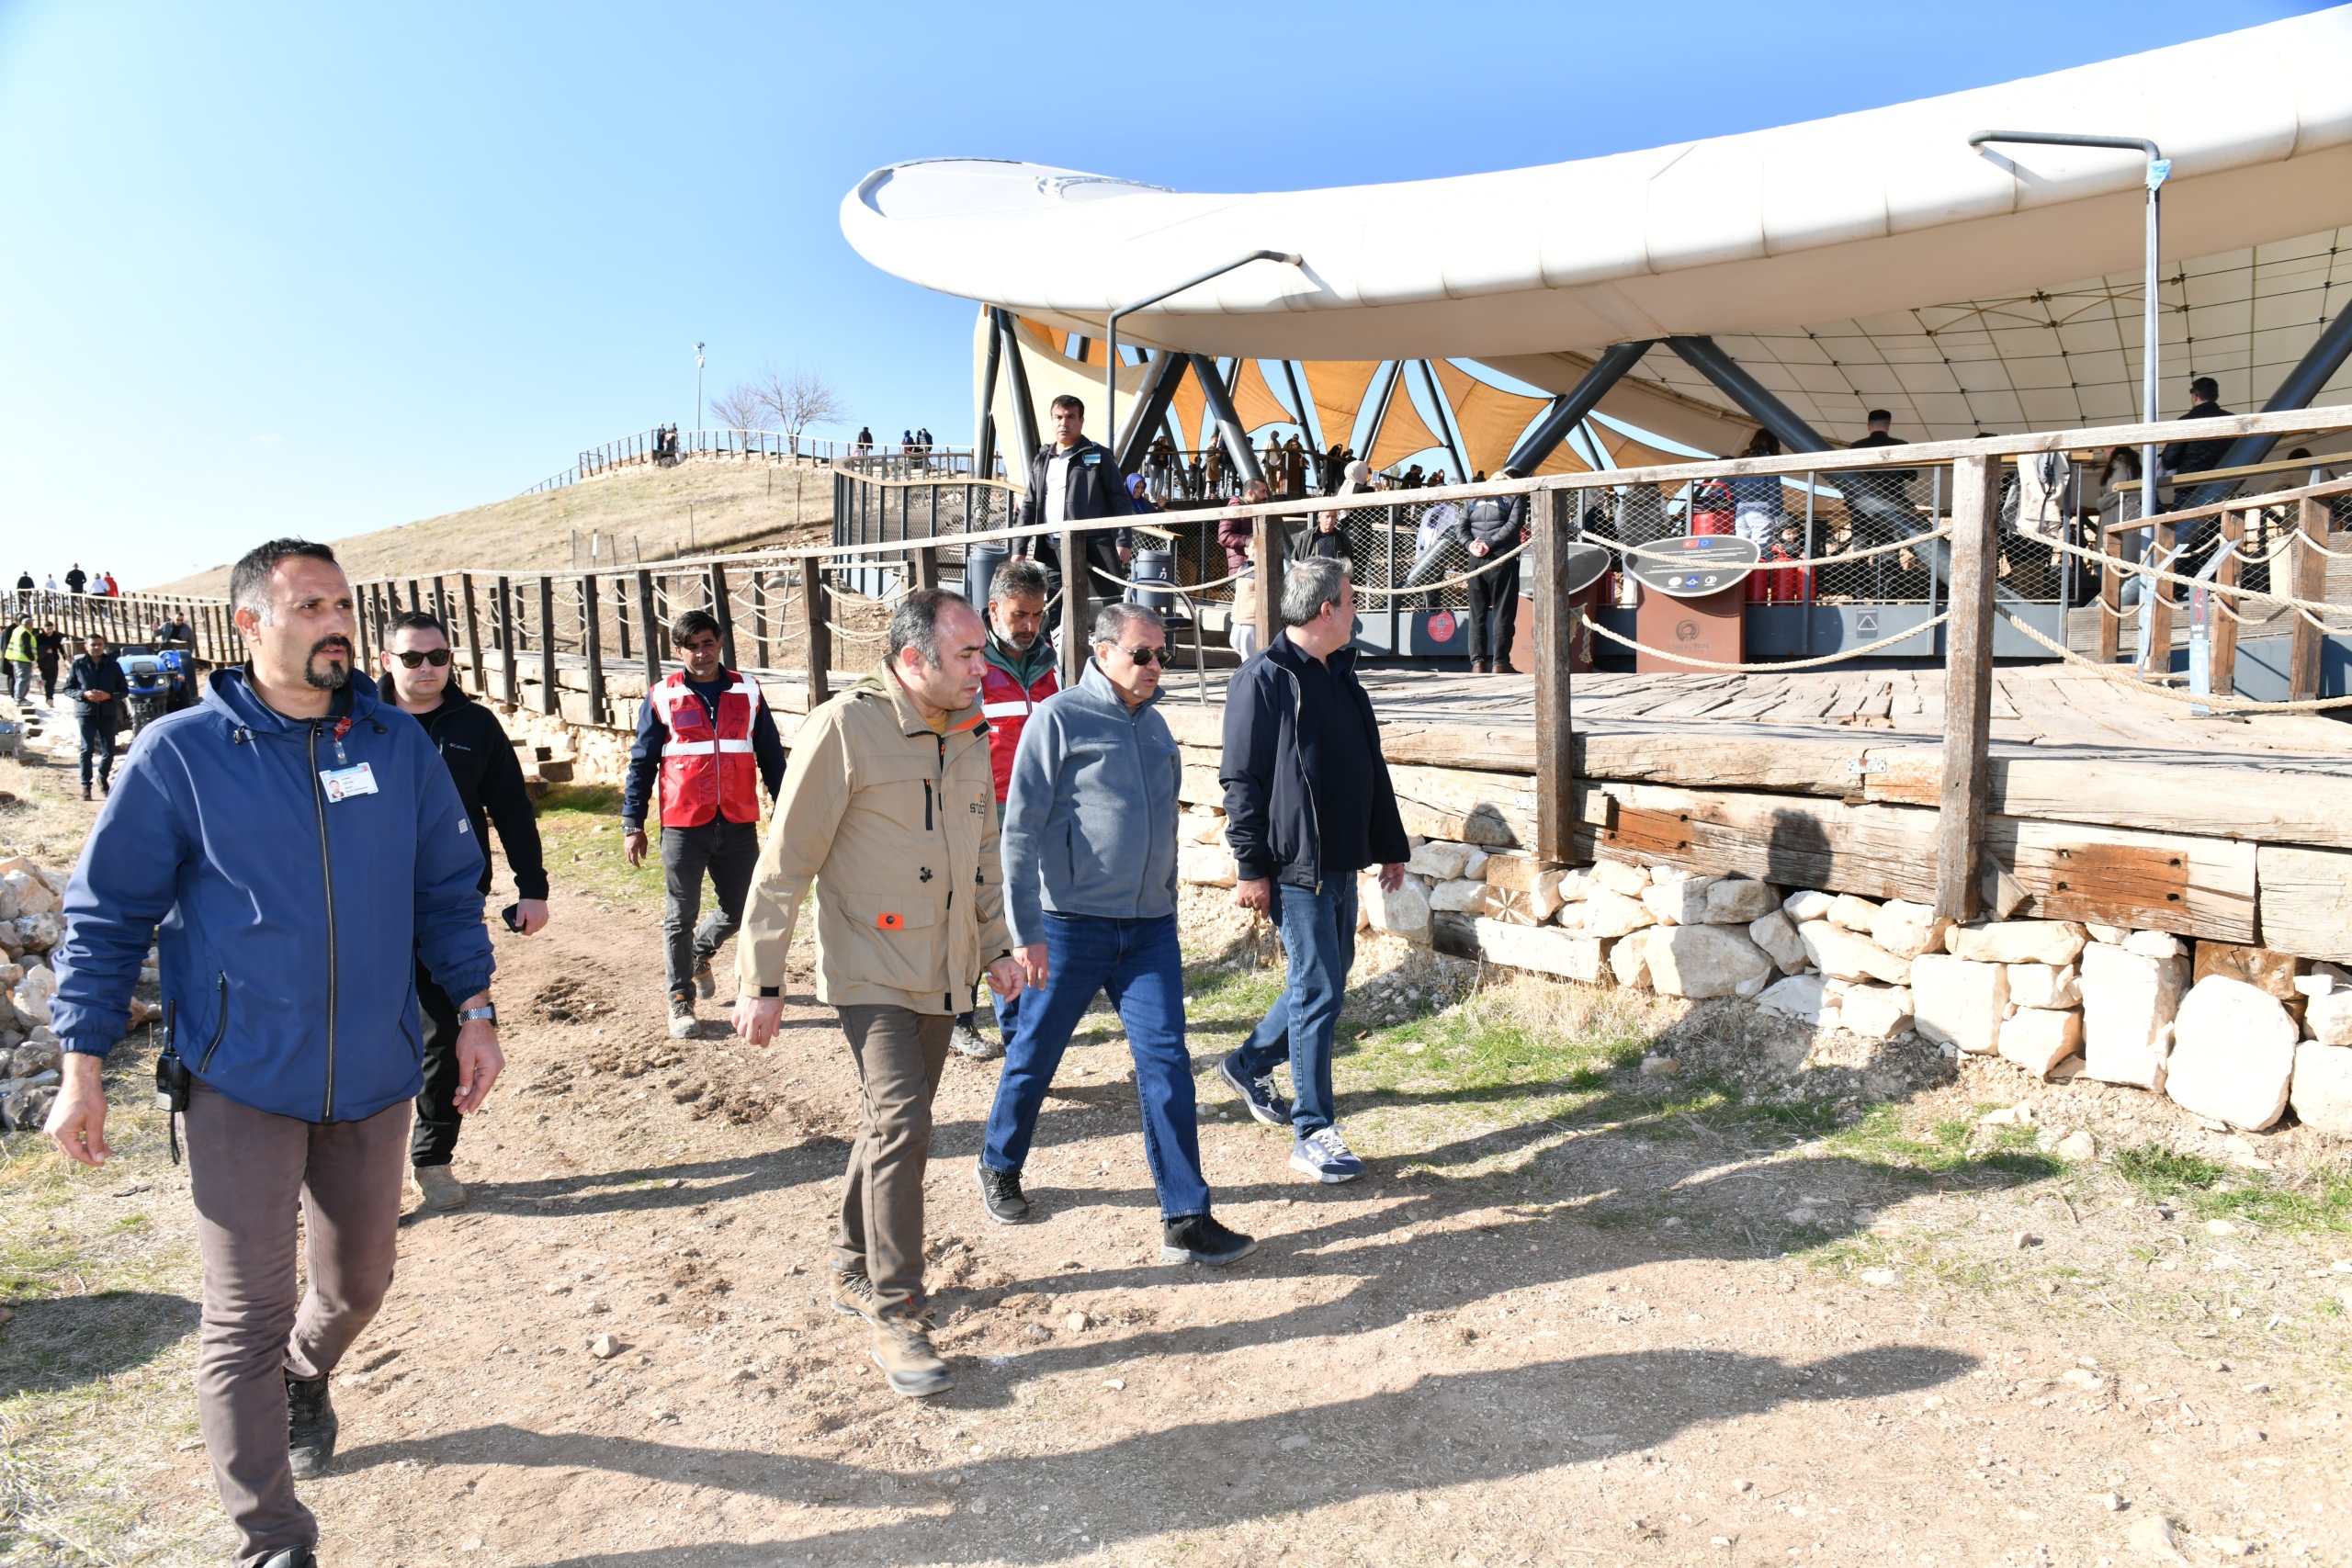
(706, 983)
(1199, 1238)
(970, 1041)
(437, 1186)
(1505, 667)
(1002, 1196)
(292, 1557)
(682, 1016)
(1324, 1156)
(311, 1427)
(86, 792)
(1481, 667)
(1258, 1094)
(903, 1349)
(852, 1294)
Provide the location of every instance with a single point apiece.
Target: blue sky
(322, 269)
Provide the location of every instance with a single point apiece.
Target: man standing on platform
(889, 810)
(1022, 673)
(481, 761)
(1493, 526)
(1307, 804)
(707, 734)
(1073, 479)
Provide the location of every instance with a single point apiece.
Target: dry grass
(641, 512)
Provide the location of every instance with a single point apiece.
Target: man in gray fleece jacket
(1089, 843)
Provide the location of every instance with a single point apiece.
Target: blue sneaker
(1322, 1154)
(1258, 1094)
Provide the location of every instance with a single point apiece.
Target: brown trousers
(249, 1170)
(901, 1054)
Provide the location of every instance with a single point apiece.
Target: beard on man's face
(334, 677)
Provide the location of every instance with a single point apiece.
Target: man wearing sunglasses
(489, 781)
(1089, 844)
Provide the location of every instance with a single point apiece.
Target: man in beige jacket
(890, 807)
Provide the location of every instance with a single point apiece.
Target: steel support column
(2297, 391)
(1732, 380)
(1024, 415)
(1158, 395)
(984, 436)
(1228, 424)
(1571, 407)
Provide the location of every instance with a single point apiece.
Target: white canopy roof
(1867, 259)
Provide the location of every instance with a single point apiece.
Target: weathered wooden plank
(2306, 901)
(1968, 686)
(1555, 614)
(2060, 866)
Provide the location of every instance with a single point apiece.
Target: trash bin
(1153, 566)
(980, 565)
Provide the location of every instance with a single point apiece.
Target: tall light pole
(2159, 170)
(697, 388)
(1111, 334)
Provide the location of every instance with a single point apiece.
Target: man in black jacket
(481, 761)
(1309, 805)
(1493, 526)
(101, 696)
(48, 652)
(1072, 480)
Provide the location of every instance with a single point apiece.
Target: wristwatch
(488, 1015)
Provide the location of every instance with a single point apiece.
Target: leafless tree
(743, 406)
(799, 400)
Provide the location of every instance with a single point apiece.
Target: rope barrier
(839, 630)
(2160, 575)
(2211, 699)
(1488, 565)
(1772, 668)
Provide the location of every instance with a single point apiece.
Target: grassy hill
(639, 510)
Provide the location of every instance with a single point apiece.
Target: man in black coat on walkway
(481, 760)
(101, 694)
(1073, 479)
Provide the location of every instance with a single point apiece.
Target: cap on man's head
(1880, 416)
(2205, 386)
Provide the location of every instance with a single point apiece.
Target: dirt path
(1598, 1331)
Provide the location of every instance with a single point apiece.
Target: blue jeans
(1141, 967)
(1319, 934)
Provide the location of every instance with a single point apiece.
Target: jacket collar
(1024, 668)
(911, 719)
(1291, 657)
(230, 694)
(1097, 685)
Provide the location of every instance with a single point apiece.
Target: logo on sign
(1441, 627)
(1686, 631)
(1866, 620)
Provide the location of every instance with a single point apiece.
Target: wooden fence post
(2221, 631)
(1556, 620)
(440, 602)
(620, 612)
(2159, 661)
(653, 648)
(550, 695)
(2110, 597)
(722, 608)
(923, 565)
(503, 608)
(1077, 578)
(1266, 592)
(2303, 668)
(1968, 686)
(816, 632)
(760, 619)
(473, 629)
(592, 644)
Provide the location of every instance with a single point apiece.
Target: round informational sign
(1441, 626)
(1586, 565)
(1694, 566)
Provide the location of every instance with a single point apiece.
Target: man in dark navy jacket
(295, 848)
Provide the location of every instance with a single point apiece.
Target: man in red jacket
(1021, 674)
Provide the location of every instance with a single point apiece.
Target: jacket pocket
(898, 941)
(220, 1026)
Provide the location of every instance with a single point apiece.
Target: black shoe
(1000, 1195)
(1198, 1238)
(292, 1557)
(311, 1427)
(86, 792)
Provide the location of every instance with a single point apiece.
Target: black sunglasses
(1142, 655)
(437, 657)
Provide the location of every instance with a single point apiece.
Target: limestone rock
(1629, 959)
(1800, 906)
(2038, 1039)
(33, 896)
(1738, 901)
(1207, 865)
(2111, 935)
(1706, 961)
(1461, 897)
(1576, 883)
(1854, 913)
(1547, 951)
(33, 993)
(1956, 1001)
(1677, 900)
(1474, 867)
(2019, 942)
(1799, 995)
(1523, 898)
(39, 933)
(2272, 973)
(1618, 877)
(1907, 929)
(1608, 914)
(2046, 986)
(2154, 944)
(2232, 1054)
(1843, 954)
(1438, 859)
(1777, 934)
(2322, 1093)
(1405, 912)
(2129, 1003)
(2077, 1145)
(7, 899)
(2328, 1017)
(1875, 1012)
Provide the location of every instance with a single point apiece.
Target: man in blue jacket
(296, 848)
(1308, 806)
(1089, 845)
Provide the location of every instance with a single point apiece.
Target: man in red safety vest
(1021, 674)
(707, 734)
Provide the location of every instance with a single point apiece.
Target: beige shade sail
(1254, 400)
(1336, 388)
(1403, 431)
